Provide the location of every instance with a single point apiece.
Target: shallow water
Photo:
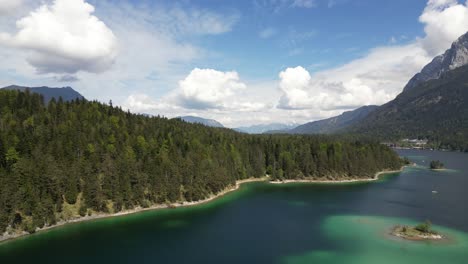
(293, 223)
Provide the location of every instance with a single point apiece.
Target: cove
(265, 223)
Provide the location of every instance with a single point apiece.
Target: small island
(419, 232)
(437, 165)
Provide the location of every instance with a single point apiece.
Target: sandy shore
(414, 235)
(419, 237)
(375, 178)
(5, 236)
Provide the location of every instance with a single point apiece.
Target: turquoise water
(364, 239)
(265, 223)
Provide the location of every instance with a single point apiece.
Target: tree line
(65, 159)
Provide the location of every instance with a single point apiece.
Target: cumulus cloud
(208, 88)
(380, 75)
(64, 37)
(140, 103)
(211, 94)
(7, 6)
(445, 21)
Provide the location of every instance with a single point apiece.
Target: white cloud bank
(382, 74)
(213, 94)
(64, 37)
(7, 6)
(202, 90)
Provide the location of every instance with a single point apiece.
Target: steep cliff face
(453, 58)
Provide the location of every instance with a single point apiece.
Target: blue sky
(239, 62)
(319, 37)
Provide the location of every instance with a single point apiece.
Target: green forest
(65, 159)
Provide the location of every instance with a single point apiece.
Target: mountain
(334, 124)
(260, 129)
(433, 105)
(200, 120)
(453, 58)
(67, 93)
(436, 110)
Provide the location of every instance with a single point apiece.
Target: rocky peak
(453, 58)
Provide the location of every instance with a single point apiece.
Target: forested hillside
(436, 110)
(66, 159)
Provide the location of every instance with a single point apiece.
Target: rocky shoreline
(375, 178)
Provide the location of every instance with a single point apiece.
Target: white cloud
(207, 88)
(382, 73)
(294, 82)
(445, 21)
(213, 94)
(140, 103)
(64, 37)
(7, 6)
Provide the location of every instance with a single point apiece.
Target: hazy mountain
(334, 124)
(67, 93)
(436, 109)
(260, 129)
(200, 120)
(453, 58)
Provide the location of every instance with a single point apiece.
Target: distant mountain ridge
(260, 129)
(453, 58)
(334, 124)
(67, 93)
(200, 120)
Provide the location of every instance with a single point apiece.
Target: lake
(293, 223)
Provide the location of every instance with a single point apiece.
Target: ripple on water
(365, 239)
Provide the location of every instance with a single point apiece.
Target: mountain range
(267, 128)
(200, 120)
(334, 124)
(67, 93)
